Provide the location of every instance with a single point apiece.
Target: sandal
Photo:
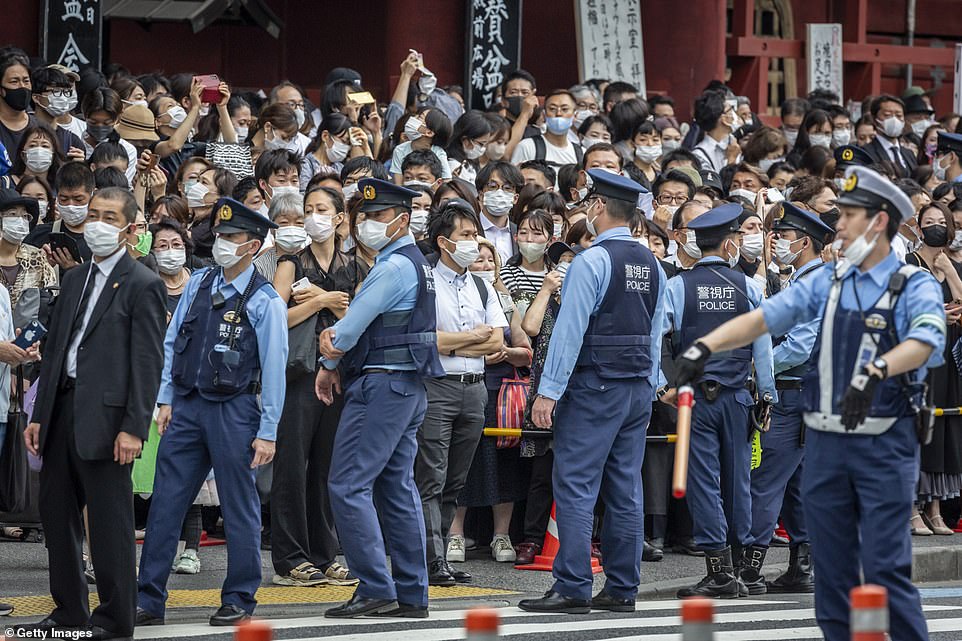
(937, 524)
(919, 528)
(14, 533)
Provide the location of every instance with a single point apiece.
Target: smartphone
(298, 285)
(210, 83)
(773, 195)
(154, 159)
(32, 333)
(361, 98)
(59, 240)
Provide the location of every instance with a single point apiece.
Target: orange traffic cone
(549, 550)
(481, 624)
(253, 630)
(870, 613)
(697, 615)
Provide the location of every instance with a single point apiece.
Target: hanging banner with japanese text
(493, 48)
(609, 41)
(72, 33)
(823, 55)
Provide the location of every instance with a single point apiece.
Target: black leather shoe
(651, 553)
(720, 581)
(604, 601)
(749, 570)
(229, 615)
(438, 574)
(404, 611)
(97, 633)
(146, 618)
(5, 609)
(49, 623)
(359, 606)
(687, 546)
(460, 576)
(554, 602)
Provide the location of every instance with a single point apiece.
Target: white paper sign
(609, 41)
(823, 51)
(957, 94)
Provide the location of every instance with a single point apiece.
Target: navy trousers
(859, 492)
(599, 445)
(719, 470)
(375, 448)
(204, 434)
(777, 482)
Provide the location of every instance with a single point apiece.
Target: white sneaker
(502, 550)
(188, 563)
(455, 549)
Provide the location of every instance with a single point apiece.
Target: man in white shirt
(470, 326)
(499, 183)
(553, 146)
(717, 119)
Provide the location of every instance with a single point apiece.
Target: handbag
(236, 158)
(14, 489)
(512, 399)
(302, 347)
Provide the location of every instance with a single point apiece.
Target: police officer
(947, 163)
(389, 338)
(226, 343)
(883, 324)
(800, 237)
(719, 487)
(600, 372)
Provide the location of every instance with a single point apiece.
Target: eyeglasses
(554, 110)
(61, 93)
(9, 215)
(493, 186)
(668, 199)
(165, 246)
(295, 105)
(584, 106)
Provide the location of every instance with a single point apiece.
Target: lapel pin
(116, 285)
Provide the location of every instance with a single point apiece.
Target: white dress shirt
(713, 151)
(99, 272)
(888, 146)
(500, 236)
(458, 304)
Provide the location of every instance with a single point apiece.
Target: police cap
(866, 188)
(231, 217)
(609, 185)
(788, 216)
(717, 222)
(380, 194)
(949, 142)
(851, 155)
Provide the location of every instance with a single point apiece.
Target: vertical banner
(493, 48)
(957, 93)
(823, 54)
(72, 33)
(609, 41)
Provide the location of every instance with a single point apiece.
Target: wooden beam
(769, 47)
(851, 52)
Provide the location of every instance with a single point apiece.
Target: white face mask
(373, 234)
(956, 243)
(73, 215)
(643, 242)
(427, 83)
(588, 143)
(102, 238)
(532, 251)
(891, 127)
(562, 269)
(752, 245)
(820, 140)
(842, 137)
(558, 230)
(766, 163)
(59, 105)
(38, 159)
(473, 152)
(791, 135)
(670, 145)
(348, 191)
(419, 221)
(747, 194)
(171, 261)
(412, 128)
(861, 247)
(241, 133)
(495, 150)
(177, 116)
(487, 276)
(337, 151)
(291, 239)
(580, 116)
(319, 227)
(225, 252)
(783, 251)
(648, 153)
(465, 252)
(284, 189)
(498, 202)
(299, 116)
(15, 230)
(920, 126)
(691, 247)
(131, 103)
(733, 259)
(42, 204)
(276, 142)
(939, 170)
(196, 195)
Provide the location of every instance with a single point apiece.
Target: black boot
(750, 570)
(720, 582)
(799, 579)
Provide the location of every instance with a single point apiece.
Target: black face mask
(17, 99)
(830, 217)
(514, 105)
(935, 235)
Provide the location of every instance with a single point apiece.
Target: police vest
(854, 338)
(801, 369)
(715, 294)
(402, 337)
(215, 351)
(617, 342)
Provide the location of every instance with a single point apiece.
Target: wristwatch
(882, 366)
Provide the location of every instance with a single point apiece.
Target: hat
(343, 73)
(231, 217)
(917, 105)
(137, 123)
(866, 188)
(949, 142)
(788, 216)
(380, 194)
(851, 155)
(70, 73)
(557, 249)
(710, 178)
(604, 183)
(720, 221)
(692, 173)
(915, 90)
(9, 198)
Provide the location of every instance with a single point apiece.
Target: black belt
(381, 370)
(466, 379)
(788, 384)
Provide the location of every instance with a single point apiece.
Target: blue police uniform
(601, 368)
(859, 485)
(389, 338)
(776, 482)
(946, 143)
(719, 485)
(226, 343)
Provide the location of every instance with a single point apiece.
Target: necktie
(898, 157)
(78, 319)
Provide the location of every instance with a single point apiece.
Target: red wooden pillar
(416, 24)
(749, 73)
(859, 78)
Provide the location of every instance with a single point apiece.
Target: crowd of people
(280, 193)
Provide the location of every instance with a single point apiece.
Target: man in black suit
(888, 112)
(95, 397)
